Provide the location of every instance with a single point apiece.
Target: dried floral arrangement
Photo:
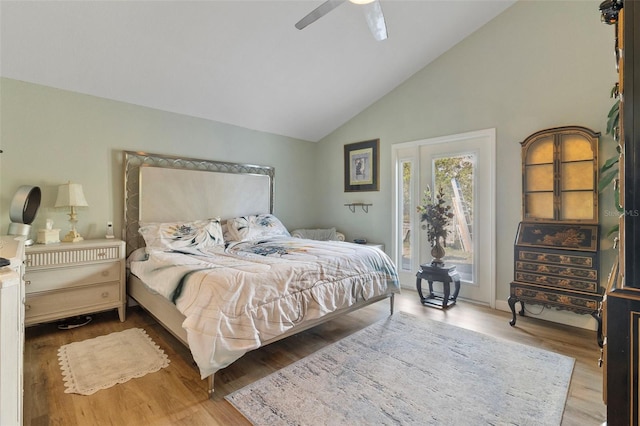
(436, 214)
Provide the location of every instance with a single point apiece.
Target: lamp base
(72, 237)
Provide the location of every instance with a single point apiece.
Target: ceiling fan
(372, 12)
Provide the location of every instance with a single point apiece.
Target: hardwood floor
(176, 395)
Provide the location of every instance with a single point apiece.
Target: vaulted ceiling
(237, 62)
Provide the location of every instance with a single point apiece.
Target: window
(455, 175)
(407, 215)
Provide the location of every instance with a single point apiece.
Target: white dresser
(11, 330)
(68, 279)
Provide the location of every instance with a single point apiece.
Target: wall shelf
(352, 207)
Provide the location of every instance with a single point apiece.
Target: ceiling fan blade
(318, 13)
(375, 20)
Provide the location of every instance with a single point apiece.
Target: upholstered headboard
(161, 188)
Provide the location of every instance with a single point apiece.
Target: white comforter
(236, 298)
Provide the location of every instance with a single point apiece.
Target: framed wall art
(362, 166)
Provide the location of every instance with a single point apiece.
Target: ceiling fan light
(361, 1)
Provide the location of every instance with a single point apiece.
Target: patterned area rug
(408, 371)
(104, 361)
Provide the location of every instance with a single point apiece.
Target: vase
(437, 251)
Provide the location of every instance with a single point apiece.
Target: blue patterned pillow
(256, 226)
(182, 236)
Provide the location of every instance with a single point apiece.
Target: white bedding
(237, 297)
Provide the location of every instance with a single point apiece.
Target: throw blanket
(249, 292)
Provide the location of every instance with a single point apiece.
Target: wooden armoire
(621, 307)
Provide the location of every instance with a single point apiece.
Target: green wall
(51, 136)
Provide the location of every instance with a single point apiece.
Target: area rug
(104, 361)
(413, 371)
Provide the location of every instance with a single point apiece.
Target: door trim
(490, 135)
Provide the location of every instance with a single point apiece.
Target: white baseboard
(538, 311)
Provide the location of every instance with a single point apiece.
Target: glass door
(455, 176)
(406, 199)
(464, 167)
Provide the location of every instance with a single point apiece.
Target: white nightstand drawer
(73, 276)
(44, 307)
(59, 254)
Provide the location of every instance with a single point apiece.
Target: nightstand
(68, 279)
(376, 245)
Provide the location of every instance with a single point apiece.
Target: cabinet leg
(599, 336)
(122, 313)
(512, 304)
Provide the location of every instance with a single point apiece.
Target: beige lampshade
(71, 195)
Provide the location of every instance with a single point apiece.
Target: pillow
(199, 234)
(256, 226)
(225, 231)
(320, 234)
(138, 255)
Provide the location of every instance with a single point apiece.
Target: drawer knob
(102, 254)
(105, 273)
(105, 294)
(27, 282)
(27, 307)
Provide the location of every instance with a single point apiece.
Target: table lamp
(71, 195)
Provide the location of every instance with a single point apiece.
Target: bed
(209, 260)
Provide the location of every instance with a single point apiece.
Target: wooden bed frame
(160, 188)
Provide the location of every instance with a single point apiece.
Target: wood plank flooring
(176, 396)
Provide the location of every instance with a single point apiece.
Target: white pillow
(254, 227)
(182, 236)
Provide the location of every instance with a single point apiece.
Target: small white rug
(101, 362)
(413, 371)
